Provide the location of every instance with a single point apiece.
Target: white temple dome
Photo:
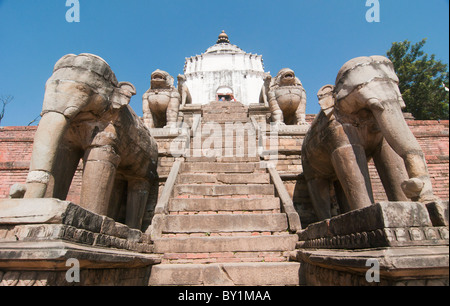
(224, 65)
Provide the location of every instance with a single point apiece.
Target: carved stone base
(412, 266)
(38, 237)
(396, 238)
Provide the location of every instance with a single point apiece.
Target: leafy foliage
(423, 80)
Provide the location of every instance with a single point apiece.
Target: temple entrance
(225, 93)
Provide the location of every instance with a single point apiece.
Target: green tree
(423, 80)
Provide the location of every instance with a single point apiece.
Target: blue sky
(312, 37)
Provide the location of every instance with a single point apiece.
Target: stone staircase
(225, 224)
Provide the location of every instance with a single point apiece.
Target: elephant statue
(161, 102)
(286, 98)
(85, 115)
(361, 118)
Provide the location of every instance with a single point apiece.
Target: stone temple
(224, 71)
(225, 180)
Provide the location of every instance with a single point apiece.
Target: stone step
(244, 159)
(226, 274)
(225, 120)
(227, 138)
(224, 190)
(223, 257)
(225, 152)
(211, 204)
(223, 106)
(225, 244)
(205, 167)
(224, 223)
(224, 178)
(221, 144)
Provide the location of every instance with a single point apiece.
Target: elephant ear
(127, 89)
(326, 99)
(122, 94)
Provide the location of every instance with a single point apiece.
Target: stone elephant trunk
(399, 136)
(41, 178)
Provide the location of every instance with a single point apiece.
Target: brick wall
(16, 148)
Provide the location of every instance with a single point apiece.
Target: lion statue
(286, 98)
(162, 101)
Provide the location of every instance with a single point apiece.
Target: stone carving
(361, 118)
(161, 102)
(184, 90)
(286, 98)
(86, 115)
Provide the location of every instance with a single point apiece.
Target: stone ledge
(52, 255)
(396, 266)
(381, 225)
(227, 274)
(225, 244)
(50, 219)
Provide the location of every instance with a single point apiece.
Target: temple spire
(223, 38)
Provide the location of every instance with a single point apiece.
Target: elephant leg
(350, 165)
(172, 113)
(341, 198)
(98, 178)
(319, 191)
(66, 164)
(138, 192)
(117, 200)
(392, 171)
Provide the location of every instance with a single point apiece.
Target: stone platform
(397, 238)
(39, 237)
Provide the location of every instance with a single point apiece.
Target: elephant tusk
(375, 105)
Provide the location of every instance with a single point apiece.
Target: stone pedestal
(42, 239)
(396, 239)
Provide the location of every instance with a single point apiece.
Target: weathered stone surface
(286, 97)
(224, 178)
(398, 266)
(226, 274)
(85, 114)
(221, 168)
(32, 211)
(224, 190)
(51, 219)
(384, 224)
(225, 244)
(381, 215)
(224, 204)
(225, 223)
(439, 214)
(161, 102)
(369, 119)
